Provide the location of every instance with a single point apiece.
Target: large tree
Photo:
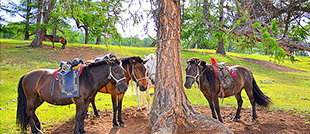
(44, 9)
(171, 111)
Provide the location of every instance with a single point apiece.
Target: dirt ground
(268, 122)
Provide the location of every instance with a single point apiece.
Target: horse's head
(117, 75)
(193, 71)
(150, 66)
(137, 72)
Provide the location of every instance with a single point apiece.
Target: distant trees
(267, 27)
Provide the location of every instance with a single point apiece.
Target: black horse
(36, 87)
(198, 71)
(135, 71)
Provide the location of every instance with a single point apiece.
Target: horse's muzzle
(122, 87)
(142, 88)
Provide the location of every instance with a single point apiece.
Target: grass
(288, 90)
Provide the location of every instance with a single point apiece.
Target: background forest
(252, 26)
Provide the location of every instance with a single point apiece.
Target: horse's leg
(138, 97)
(252, 100)
(211, 106)
(240, 101)
(217, 106)
(95, 109)
(120, 101)
(81, 108)
(113, 96)
(31, 117)
(53, 44)
(148, 98)
(142, 98)
(39, 102)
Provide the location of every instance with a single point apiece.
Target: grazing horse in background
(36, 87)
(135, 71)
(198, 71)
(150, 66)
(61, 39)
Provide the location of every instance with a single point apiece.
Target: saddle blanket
(69, 83)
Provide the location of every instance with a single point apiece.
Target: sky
(127, 31)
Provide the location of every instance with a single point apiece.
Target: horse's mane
(208, 73)
(103, 62)
(126, 61)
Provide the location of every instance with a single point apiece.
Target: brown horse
(36, 87)
(61, 39)
(135, 71)
(198, 71)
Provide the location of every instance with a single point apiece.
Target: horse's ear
(187, 61)
(202, 63)
(145, 57)
(132, 61)
(144, 61)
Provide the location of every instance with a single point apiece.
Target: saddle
(57, 38)
(68, 78)
(225, 76)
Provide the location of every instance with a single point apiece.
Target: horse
(135, 71)
(150, 66)
(35, 87)
(198, 71)
(61, 39)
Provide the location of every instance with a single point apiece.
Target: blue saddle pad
(69, 84)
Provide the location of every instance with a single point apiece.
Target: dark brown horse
(135, 71)
(36, 87)
(198, 71)
(61, 39)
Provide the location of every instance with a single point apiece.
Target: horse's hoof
(253, 120)
(87, 116)
(235, 119)
(98, 116)
(139, 109)
(115, 127)
(123, 125)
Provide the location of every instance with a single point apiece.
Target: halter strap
(134, 75)
(197, 75)
(117, 80)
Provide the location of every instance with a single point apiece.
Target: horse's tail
(21, 117)
(259, 97)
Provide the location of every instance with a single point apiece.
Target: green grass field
(289, 91)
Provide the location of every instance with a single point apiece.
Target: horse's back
(32, 79)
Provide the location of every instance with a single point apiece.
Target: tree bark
(40, 32)
(220, 47)
(98, 40)
(171, 111)
(27, 20)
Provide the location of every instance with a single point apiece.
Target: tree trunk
(171, 111)
(27, 20)
(40, 32)
(37, 42)
(98, 41)
(220, 47)
(86, 35)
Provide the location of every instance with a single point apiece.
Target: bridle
(134, 75)
(196, 76)
(117, 80)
